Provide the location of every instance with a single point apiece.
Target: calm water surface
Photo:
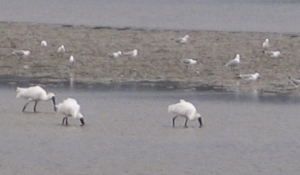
(131, 133)
(219, 15)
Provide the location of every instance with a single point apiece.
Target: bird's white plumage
(236, 61)
(44, 43)
(266, 44)
(273, 54)
(61, 49)
(71, 60)
(70, 108)
(33, 93)
(250, 77)
(115, 54)
(132, 53)
(295, 81)
(189, 61)
(21, 53)
(184, 109)
(183, 40)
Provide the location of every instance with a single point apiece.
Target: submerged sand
(157, 60)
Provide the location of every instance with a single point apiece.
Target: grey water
(218, 15)
(130, 132)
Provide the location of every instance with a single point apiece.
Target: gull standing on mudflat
(61, 50)
(189, 62)
(72, 61)
(70, 108)
(34, 93)
(250, 77)
(273, 54)
(266, 44)
(185, 109)
(233, 63)
(115, 54)
(21, 53)
(132, 53)
(44, 43)
(183, 40)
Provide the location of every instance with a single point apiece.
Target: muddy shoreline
(157, 64)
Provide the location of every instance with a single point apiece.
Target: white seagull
(266, 44)
(295, 81)
(21, 53)
(132, 53)
(185, 109)
(250, 77)
(61, 50)
(72, 60)
(34, 93)
(183, 40)
(233, 63)
(273, 54)
(115, 54)
(70, 108)
(44, 43)
(189, 62)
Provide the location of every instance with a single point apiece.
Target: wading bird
(70, 108)
(266, 44)
(34, 93)
(44, 43)
(61, 50)
(185, 109)
(189, 62)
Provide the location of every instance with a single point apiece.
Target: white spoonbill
(70, 108)
(34, 93)
(250, 77)
(266, 44)
(21, 53)
(233, 63)
(44, 43)
(115, 54)
(132, 53)
(183, 40)
(185, 109)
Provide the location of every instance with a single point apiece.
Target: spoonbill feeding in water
(185, 109)
(34, 93)
(70, 108)
(183, 40)
(233, 63)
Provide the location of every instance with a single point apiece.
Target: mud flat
(157, 63)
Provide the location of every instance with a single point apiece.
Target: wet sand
(157, 61)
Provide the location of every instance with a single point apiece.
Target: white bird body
(189, 61)
(70, 108)
(184, 109)
(44, 43)
(250, 77)
(34, 93)
(132, 53)
(61, 49)
(232, 63)
(71, 60)
(115, 54)
(183, 40)
(266, 44)
(21, 53)
(273, 54)
(295, 81)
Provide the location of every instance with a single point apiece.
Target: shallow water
(130, 132)
(220, 15)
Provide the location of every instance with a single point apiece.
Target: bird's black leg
(185, 124)
(174, 120)
(25, 106)
(65, 120)
(200, 122)
(34, 108)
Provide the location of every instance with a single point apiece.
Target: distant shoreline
(158, 58)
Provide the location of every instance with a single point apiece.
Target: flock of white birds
(70, 108)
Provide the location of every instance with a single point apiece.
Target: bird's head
(80, 116)
(52, 97)
(197, 115)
